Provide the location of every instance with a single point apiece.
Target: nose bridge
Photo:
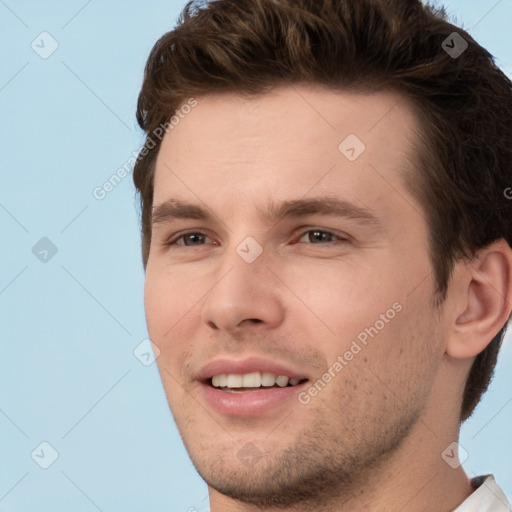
(246, 289)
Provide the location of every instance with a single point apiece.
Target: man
(326, 241)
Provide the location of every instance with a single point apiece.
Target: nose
(246, 295)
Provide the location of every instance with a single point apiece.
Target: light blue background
(68, 375)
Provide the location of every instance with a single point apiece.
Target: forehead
(285, 143)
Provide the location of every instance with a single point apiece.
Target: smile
(236, 383)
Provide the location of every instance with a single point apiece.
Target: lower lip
(249, 403)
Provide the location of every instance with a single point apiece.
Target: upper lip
(247, 365)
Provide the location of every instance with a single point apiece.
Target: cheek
(167, 303)
(168, 298)
(156, 303)
(366, 311)
(346, 298)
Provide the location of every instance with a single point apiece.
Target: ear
(481, 298)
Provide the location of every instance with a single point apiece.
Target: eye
(314, 236)
(190, 239)
(317, 236)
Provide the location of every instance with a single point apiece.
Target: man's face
(340, 303)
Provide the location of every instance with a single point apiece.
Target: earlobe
(484, 299)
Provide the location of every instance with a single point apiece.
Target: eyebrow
(297, 208)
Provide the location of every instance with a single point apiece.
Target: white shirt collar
(488, 497)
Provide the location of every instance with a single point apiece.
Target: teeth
(268, 379)
(282, 381)
(234, 381)
(252, 380)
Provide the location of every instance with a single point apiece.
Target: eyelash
(173, 241)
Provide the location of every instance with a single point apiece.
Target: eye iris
(192, 236)
(321, 237)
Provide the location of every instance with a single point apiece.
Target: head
(264, 95)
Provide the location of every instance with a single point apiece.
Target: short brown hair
(464, 104)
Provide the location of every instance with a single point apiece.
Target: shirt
(488, 497)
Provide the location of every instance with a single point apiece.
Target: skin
(372, 438)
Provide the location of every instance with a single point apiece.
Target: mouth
(252, 382)
(250, 387)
